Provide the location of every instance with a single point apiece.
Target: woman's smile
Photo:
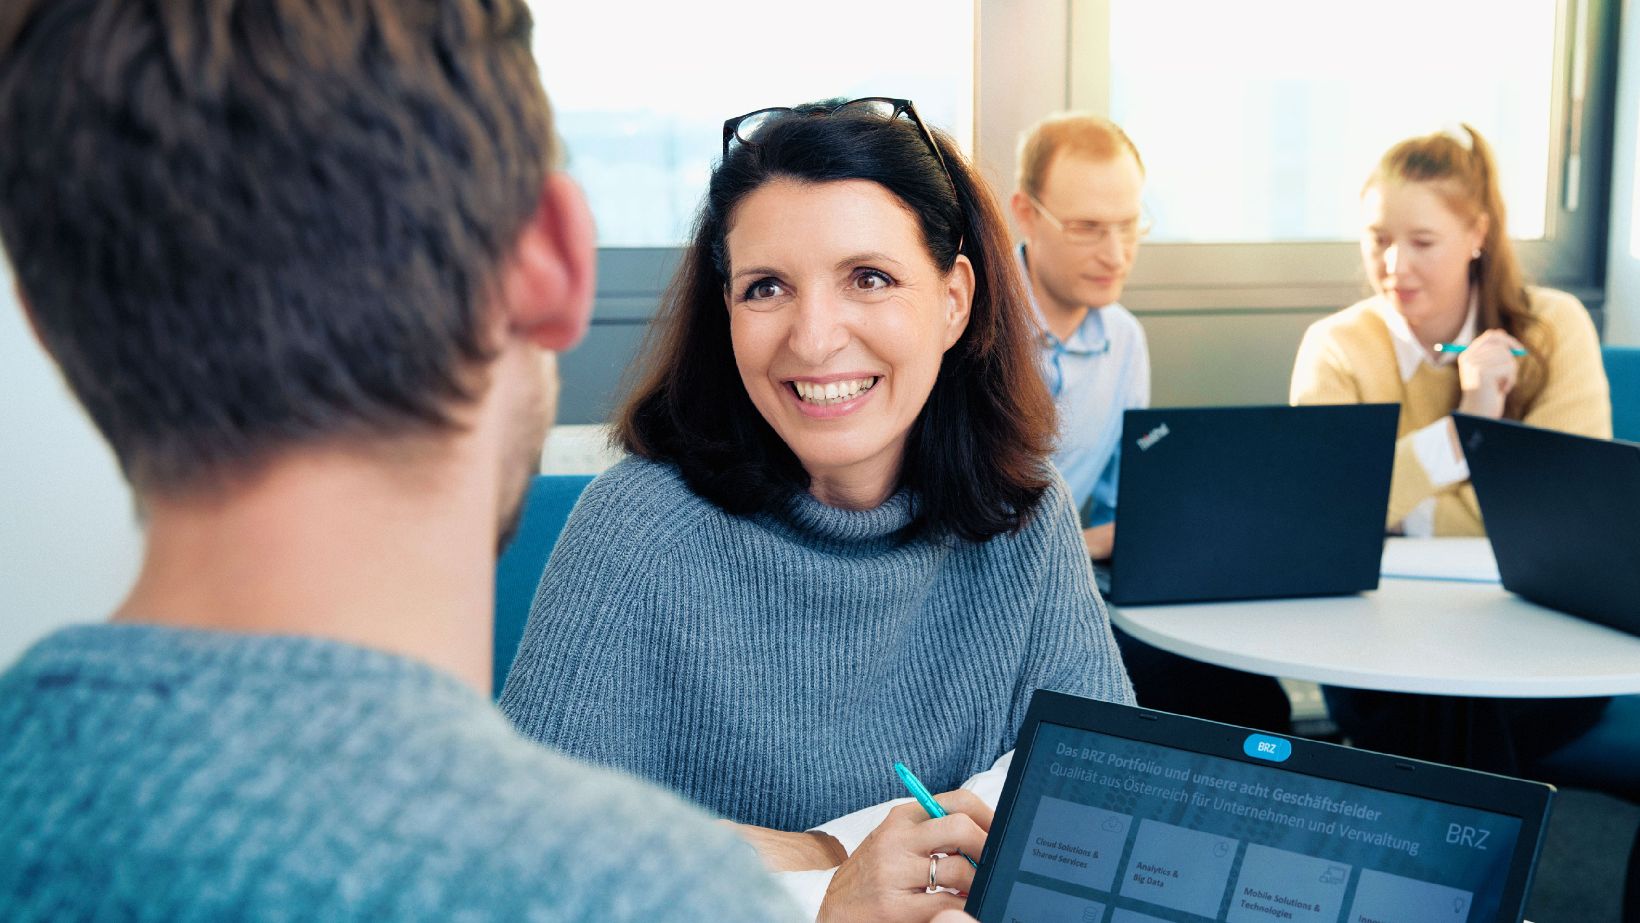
(823, 399)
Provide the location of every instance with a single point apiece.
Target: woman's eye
(871, 280)
(763, 288)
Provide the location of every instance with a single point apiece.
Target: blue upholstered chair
(1606, 759)
(1623, 371)
(546, 509)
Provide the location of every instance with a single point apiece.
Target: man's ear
(549, 280)
(1024, 213)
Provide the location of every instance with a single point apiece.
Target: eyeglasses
(1095, 232)
(745, 128)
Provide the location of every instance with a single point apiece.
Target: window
(641, 93)
(1262, 127)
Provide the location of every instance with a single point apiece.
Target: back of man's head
(1082, 134)
(242, 227)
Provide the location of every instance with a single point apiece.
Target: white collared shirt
(1440, 457)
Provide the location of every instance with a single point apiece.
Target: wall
(69, 543)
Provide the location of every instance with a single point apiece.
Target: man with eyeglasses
(1078, 209)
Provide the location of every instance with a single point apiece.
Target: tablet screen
(1104, 829)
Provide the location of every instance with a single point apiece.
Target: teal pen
(1455, 348)
(919, 791)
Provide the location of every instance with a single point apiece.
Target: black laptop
(1250, 502)
(1113, 814)
(1563, 515)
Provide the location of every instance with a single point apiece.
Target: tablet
(1115, 814)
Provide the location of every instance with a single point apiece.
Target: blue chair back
(518, 573)
(1623, 371)
(1606, 758)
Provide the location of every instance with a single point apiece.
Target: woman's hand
(887, 877)
(791, 852)
(1487, 372)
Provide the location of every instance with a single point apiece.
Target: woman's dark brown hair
(976, 458)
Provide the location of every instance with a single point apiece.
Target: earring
(1476, 255)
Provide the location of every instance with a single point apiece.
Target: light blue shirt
(1100, 370)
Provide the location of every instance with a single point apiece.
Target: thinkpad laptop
(1114, 814)
(1563, 515)
(1250, 502)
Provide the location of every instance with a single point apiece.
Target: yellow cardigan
(1349, 358)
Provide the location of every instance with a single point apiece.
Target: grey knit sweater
(773, 668)
(156, 774)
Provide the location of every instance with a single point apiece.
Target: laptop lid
(1251, 502)
(1114, 814)
(1563, 516)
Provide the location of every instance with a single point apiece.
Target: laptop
(1114, 814)
(1250, 502)
(1563, 516)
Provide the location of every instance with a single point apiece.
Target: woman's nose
(1392, 259)
(818, 332)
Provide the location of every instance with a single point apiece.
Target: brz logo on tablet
(1151, 438)
(1266, 747)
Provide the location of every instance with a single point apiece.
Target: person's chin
(837, 451)
(526, 448)
(1103, 296)
(512, 509)
(1409, 308)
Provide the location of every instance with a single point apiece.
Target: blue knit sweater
(774, 667)
(155, 774)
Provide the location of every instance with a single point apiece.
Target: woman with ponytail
(1436, 249)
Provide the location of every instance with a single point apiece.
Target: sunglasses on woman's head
(745, 128)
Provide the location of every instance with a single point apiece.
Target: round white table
(1441, 626)
(1442, 637)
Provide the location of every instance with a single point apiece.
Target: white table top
(1447, 634)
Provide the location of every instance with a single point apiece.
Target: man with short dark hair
(1078, 207)
(306, 265)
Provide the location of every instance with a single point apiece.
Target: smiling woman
(839, 321)
(839, 542)
(838, 232)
